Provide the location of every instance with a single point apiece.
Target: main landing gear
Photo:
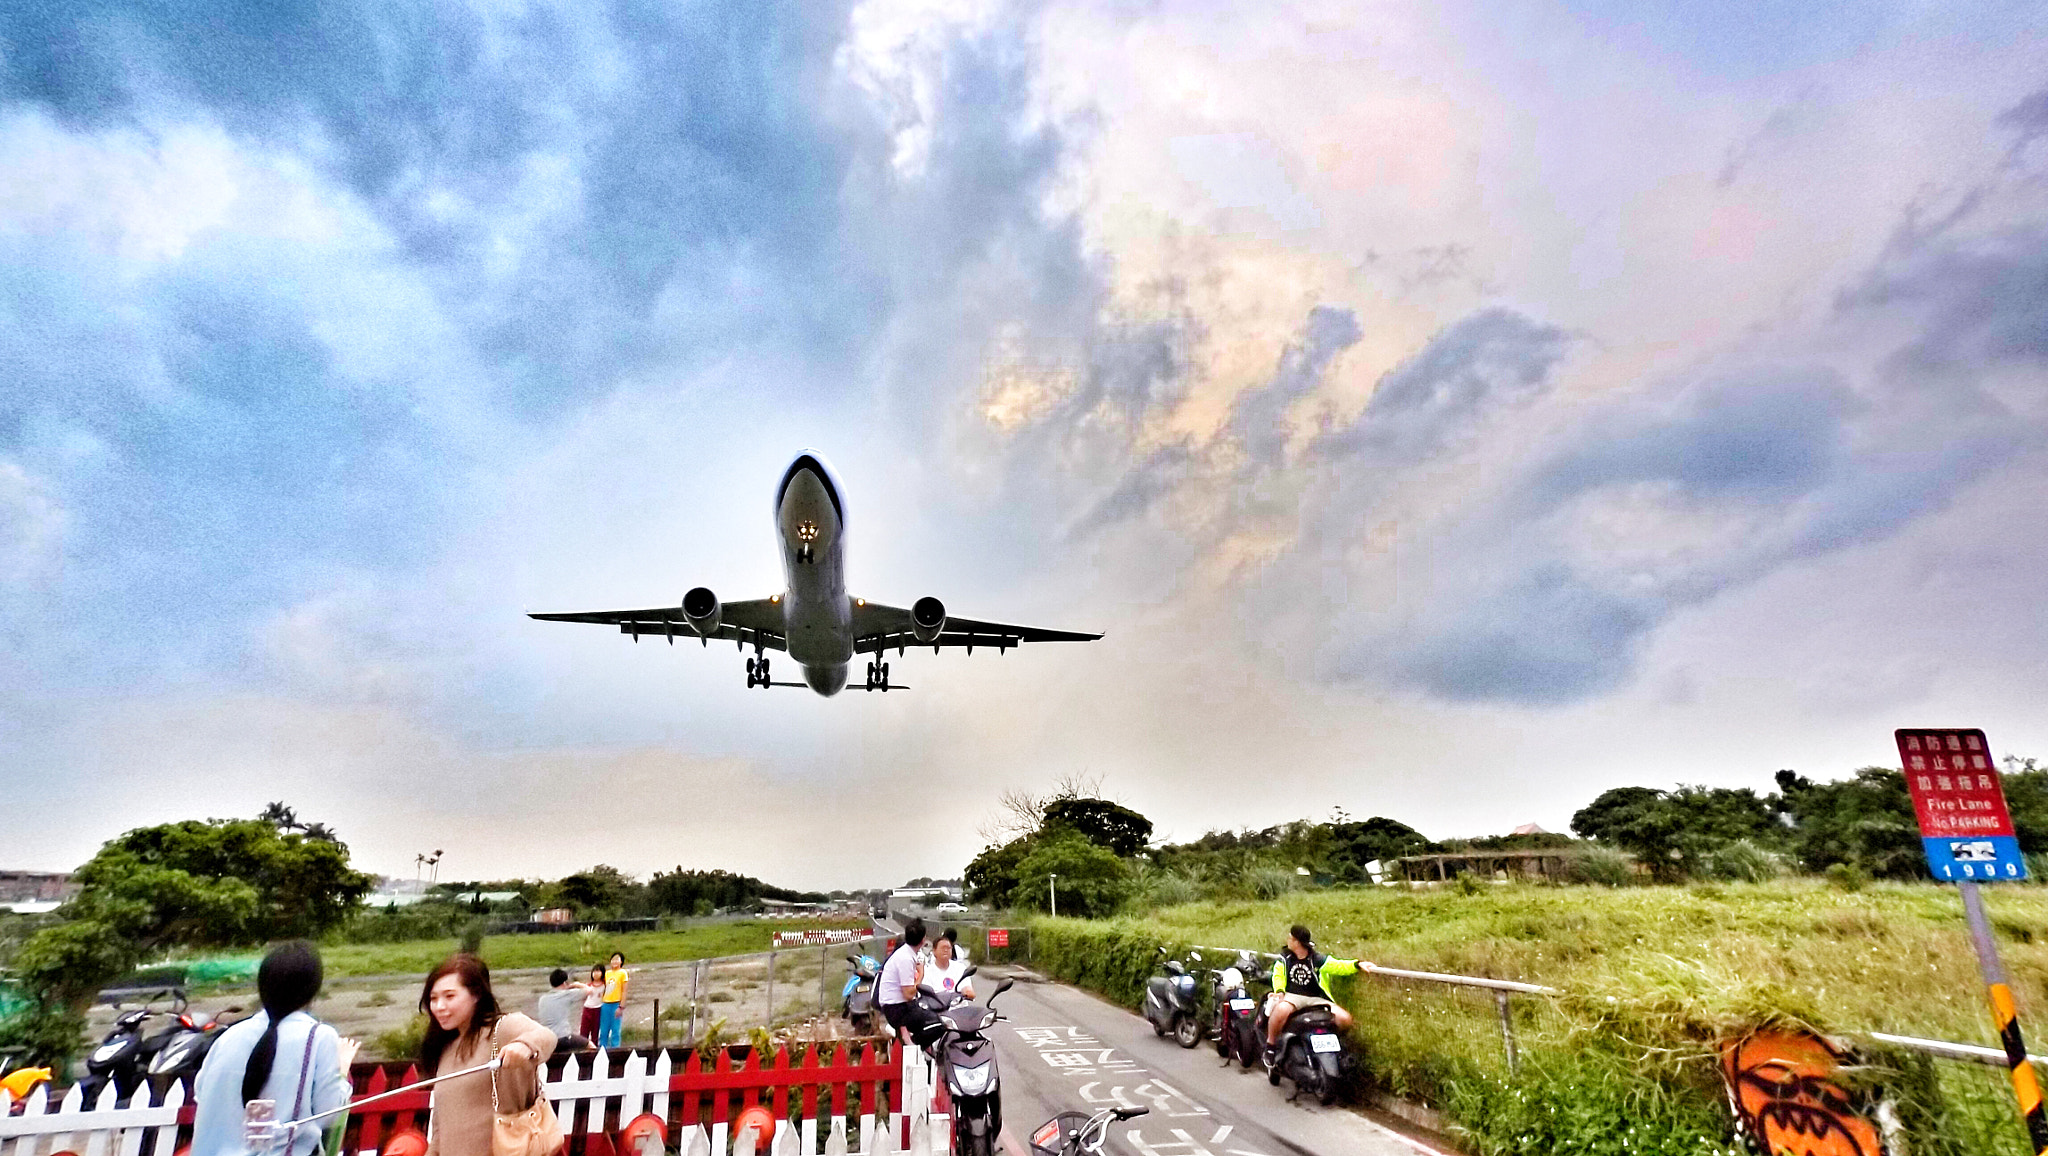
(757, 673)
(878, 676)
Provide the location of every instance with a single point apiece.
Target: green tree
(1356, 844)
(1093, 882)
(1114, 826)
(221, 882)
(1673, 832)
(992, 877)
(1865, 821)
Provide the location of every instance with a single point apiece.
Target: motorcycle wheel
(966, 1143)
(1248, 1044)
(1327, 1094)
(1187, 1032)
(1158, 1029)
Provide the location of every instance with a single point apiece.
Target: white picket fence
(68, 1125)
(45, 1127)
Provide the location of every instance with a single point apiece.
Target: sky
(1446, 413)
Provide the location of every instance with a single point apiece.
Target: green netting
(209, 971)
(12, 1002)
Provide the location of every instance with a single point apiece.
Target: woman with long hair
(465, 1029)
(281, 1054)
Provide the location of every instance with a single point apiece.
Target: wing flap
(756, 621)
(878, 628)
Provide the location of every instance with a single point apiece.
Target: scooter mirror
(1001, 988)
(971, 970)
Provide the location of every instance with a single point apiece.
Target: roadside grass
(506, 952)
(1651, 979)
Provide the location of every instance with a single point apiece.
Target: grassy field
(567, 950)
(1651, 979)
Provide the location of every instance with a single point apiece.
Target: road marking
(1221, 1133)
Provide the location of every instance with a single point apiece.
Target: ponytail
(287, 980)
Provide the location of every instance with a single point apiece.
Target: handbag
(531, 1131)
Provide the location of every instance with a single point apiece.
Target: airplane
(813, 620)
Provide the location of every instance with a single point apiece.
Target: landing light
(775, 598)
(807, 531)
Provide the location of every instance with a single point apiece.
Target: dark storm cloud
(1799, 461)
(579, 196)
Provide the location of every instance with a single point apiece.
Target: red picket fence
(596, 1094)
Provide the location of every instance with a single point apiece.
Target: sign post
(1968, 836)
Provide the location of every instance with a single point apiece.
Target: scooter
(857, 998)
(184, 1048)
(121, 1059)
(1236, 1033)
(1078, 1133)
(1311, 1052)
(1171, 1003)
(967, 1062)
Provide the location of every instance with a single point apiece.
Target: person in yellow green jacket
(1301, 978)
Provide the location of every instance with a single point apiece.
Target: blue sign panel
(1979, 857)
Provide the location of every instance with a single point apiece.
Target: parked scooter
(1236, 1033)
(1172, 1003)
(1078, 1133)
(121, 1059)
(1311, 1052)
(857, 998)
(184, 1048)
(967, 1062)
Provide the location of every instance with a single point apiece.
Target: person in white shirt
(945, 973)
(896, 990)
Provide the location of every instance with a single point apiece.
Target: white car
(951, 908)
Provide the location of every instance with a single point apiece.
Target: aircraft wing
(755, 622)
(877, 628)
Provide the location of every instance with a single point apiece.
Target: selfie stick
(291, 1127)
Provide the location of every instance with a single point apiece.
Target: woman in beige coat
(466, 1019)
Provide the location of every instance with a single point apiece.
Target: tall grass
(1651, 979)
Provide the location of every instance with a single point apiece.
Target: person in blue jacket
(281, 1054)
(1301, 979)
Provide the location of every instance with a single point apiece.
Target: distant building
(1530, 829)
(555, 915)
(36, 886)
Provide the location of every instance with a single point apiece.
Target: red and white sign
(1954, 784)
(999, 937)
(1965, 828)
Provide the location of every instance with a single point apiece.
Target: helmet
(1232, 977)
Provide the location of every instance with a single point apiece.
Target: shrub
(1162, 889)
(1743, 861)
(1603, 865)
(1847, 876)
(1271, 882)
(472, 941)
(400, 1042)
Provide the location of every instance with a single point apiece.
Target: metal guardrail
(1944, 1049)
(1503, 988)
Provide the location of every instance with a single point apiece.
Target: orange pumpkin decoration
(1784, 1086)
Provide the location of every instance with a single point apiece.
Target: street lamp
(1054, 883)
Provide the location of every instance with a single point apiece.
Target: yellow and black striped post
(2006, 1017)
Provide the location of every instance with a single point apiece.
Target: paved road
(1065, 1050)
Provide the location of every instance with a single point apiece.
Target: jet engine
(702, 611)
(927, 619)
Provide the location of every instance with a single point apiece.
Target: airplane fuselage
(810, 523)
